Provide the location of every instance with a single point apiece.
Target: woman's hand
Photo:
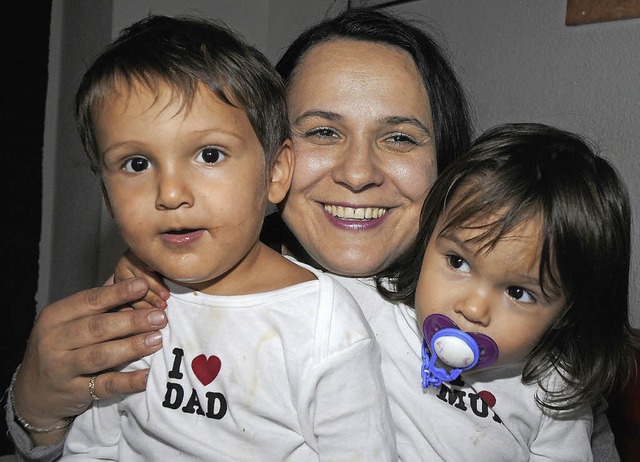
(79, 337)
(129, 266)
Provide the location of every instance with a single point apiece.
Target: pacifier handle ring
(434, 375)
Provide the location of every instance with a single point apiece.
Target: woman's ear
(281, 173)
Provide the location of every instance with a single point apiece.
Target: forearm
(75, 342)
(45, 448)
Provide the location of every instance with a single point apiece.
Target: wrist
(32, 426)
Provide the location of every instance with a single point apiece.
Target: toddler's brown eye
(455, 261)
(211, 155)
(136, 164)
(515, 292)
(520, 295)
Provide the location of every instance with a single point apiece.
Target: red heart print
(206, 369)
(488, 398)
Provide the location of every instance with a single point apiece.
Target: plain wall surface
(517, 60)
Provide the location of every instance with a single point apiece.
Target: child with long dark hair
(519, 277)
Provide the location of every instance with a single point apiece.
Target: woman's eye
(136, 164)
(458, 263)
(324, 133)
(400, 139)
(520, 295)
(211, 155)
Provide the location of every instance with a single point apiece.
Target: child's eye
(136, 164)
(210, 155)
(520, 295)
(458, 263)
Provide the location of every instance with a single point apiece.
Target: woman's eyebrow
(398, 120)
(317, 113)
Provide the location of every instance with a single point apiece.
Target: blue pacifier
(461, 351)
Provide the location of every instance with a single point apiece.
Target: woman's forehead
(370, 78)
(356, 56)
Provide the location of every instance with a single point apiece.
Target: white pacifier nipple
(454, 351)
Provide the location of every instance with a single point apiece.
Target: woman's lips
(181, 236)
(355, 218)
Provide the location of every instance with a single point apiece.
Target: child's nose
(475, 307)
(173, 191)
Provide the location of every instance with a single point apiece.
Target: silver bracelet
(26, 425)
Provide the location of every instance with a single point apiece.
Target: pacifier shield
(461, 357)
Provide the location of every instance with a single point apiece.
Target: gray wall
(517, 59)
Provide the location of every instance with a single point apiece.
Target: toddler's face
(495, 292)
(186, 185)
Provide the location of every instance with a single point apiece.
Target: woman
(376, 110)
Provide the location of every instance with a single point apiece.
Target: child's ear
(281, 173)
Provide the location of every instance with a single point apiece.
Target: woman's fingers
(97, 300)
(108, 384)
(129, 266)
(156, 296)
(99, 357)
(82, 319)
(76, 338)
(100, 328)
(54, 385)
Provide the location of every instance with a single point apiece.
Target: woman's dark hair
(183, 52)
(517, 172)
(450, 111)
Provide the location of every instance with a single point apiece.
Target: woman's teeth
(350, 213)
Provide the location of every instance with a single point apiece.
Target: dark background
(24, 42)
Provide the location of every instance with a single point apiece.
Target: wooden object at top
(591, 11)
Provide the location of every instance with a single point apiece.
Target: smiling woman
(363, 137)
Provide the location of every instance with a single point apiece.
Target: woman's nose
(174, 191)
(358, 166)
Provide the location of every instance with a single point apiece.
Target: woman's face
(365, 155)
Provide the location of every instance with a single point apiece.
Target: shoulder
(373, 305)
(332, 292)
(337, 309)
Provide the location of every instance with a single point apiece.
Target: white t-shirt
(288, 375)
(396, 329)
(453, 422)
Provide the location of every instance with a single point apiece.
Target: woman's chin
(352, 266)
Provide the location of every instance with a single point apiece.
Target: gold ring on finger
(92, 388)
